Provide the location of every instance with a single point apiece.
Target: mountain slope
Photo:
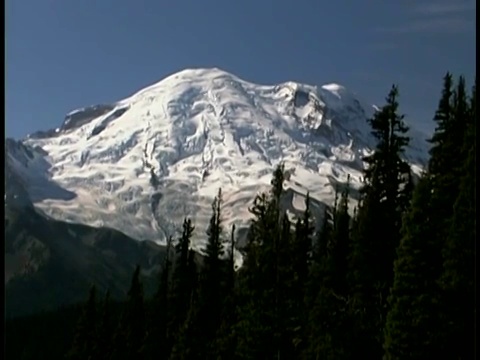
(142, 164)
(50, 263)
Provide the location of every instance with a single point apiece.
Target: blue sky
(65, 54)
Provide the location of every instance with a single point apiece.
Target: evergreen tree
(199, 331)
(377, 227)
(444, 167)
(184, 279)
(103, 349)
(413, 321)
(440, 150)
(131, 332)
(295, 268)
(329, 327)
(85, 339)
(225, 343)
(458, 278)
(259, 330)
(211, 295)
(158, 343)
(440, 228)
(340, 244)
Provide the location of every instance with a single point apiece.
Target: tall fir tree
(85, 339)
(294, 260)
(212, 281)
(415, 294)
(458, 278)
(259, 331)
(340, 243)
(183, 279)
(158, 342)
(225, 338)
(439, 152)
(377, 227)
(131, 331)
(329, 325)
(434, 272)
(103, 348)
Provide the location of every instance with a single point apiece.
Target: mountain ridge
(143, 163)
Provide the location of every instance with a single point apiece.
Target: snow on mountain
(144, 163)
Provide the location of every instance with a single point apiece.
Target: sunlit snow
(162, 154)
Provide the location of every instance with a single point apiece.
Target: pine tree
(83, 346)
(458, 279)
(198, 333)
(438, 229)
(184, 279)
(103, 349)
(329, 326)
(377, 227)
(260, 299)
(158, 343)
(413, 321)
(225, 342)
(294, 268)
(131, 332)
(340, 244)
(444, 167)
(439, 152)
(211, 295)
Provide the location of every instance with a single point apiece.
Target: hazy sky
(65, 54)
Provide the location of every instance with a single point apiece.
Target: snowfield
(144, 163)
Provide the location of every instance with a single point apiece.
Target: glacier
(144, 163)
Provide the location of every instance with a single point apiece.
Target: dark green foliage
(434, 272)
(43, 336)
(184, 278)
(260, 298)
(225, 342)
(415, 294)
(376, 234)
(158, 342)
(340, 244)
(130, 334)
(458, 278)
(328, 317)
(104, 344)
(439, 156)
(86, 333)
(199, 331)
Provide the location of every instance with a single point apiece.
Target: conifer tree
(377, 227)
(415, 293)
(158, 343)
(329, 326)
(85, 339)
(295, 275)
(340, 244)
(184, 278)
(260, 299)
(131, 332)
(433, 287)
(225, 343)
(103, 349)
(439, 152)
(211, 296)
(444, 167)
(458, 278)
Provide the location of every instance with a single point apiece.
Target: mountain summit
(144, 163)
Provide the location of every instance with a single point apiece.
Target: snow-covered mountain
(144, 163)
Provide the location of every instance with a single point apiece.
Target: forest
(392, 278)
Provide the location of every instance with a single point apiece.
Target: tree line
(392, 278)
